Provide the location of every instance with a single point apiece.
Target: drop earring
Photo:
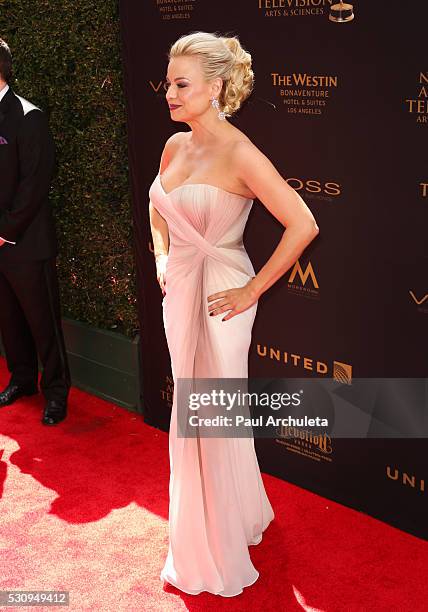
(215, 104)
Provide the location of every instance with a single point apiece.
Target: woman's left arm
(260, 176)
(285, 204)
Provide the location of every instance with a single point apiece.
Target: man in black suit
(30, 317)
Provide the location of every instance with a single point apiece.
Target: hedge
(67, 61)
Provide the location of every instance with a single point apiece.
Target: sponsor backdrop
(342, 111)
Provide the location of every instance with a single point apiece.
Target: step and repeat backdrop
(341, 109)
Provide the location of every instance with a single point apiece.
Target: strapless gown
(217, 501)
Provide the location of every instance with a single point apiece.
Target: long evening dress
(218, 504)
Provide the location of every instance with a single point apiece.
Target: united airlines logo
(408, 480)
(340, 371)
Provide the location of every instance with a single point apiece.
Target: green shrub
(67, 61)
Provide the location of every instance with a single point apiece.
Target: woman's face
(188, 93)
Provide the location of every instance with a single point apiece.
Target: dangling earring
(215, 104)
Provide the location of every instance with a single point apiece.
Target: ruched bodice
(204, 221)
(218, 504)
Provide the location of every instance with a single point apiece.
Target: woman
(199, 204)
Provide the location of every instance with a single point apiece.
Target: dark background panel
(358, 166)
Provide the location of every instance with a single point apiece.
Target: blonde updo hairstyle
(223, 57)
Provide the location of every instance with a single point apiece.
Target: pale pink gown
(218, 504)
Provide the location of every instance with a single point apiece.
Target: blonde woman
(199, 204)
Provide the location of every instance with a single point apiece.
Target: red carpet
(84, 509)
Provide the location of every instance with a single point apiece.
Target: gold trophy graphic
(341, 13)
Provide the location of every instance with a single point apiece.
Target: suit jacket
(27, 162)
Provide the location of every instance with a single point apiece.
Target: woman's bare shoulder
(176, 140)
(172, 145)
(237, 136)
(243, 147)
